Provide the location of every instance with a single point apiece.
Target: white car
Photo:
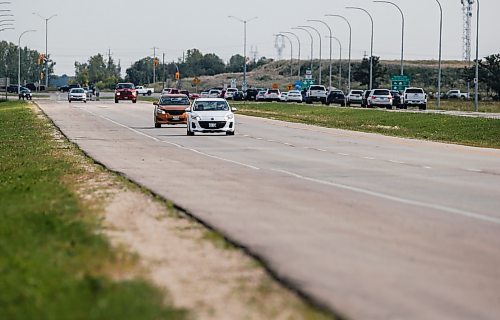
(210, 115)
(77, 94)
(204, 94)
(214, 93)
(294, 96)
(229, 94)
(380, 98)
(415, 97)
(355, 97)
(284, 97)
(144, 91)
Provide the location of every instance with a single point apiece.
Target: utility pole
(46, 47)
(244, 86)
(164, 71)
(154, 64)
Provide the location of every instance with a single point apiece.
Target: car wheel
(134, 101)
(84, 101)
(388, 107)
(229, 133)
(157, 125)
(116, 101)
(189, 132)
(424, 107)
(69, 101)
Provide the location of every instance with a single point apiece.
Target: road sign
(308, 74)
(289, 86)
(233, 83)
(400, 83)
(298, 85)
(276, 86)
(196, 81)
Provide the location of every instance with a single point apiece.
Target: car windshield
(125, 86)
(381, 92)
(294, 92)
(211, 106)
(273, 91)
(77, 91)
(174, 101)
(356, 92)
(414, 91)
(317, 88)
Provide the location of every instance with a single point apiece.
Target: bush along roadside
(53, 262)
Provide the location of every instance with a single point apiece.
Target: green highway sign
(400, 83)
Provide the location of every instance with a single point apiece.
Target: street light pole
(19, 61)
(312, 42)
(320, 46)
(402, 32)
(291, 52)
(244, 86)
(350, 47)
(371, 45)
(331, 35)
(298, 40)
(476, 84)
(440, 52)
(46, 47)
(340, 64)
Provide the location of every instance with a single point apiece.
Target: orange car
(171, 109)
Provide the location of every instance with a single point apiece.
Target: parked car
(77, 94)
(185, 92)
(380, 98)
(144, 91)
(229, 94)
(35, 87)
(316, 93)
(415, 97)
(261, 96)
(396, 99)
(12, 88)
(171, 109)
(214, 93)
(125, 91)
(456, 94)
(284, 97)
(194, 96)
(251, 94)
(336, 97)
(272, 95)
(364, 102)
(294, 96)
(211, 115)
(238, 96)
(355, 97)
(170, 91)
(204, 94)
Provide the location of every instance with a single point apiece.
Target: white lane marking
(397, 162)
(344, 154)
(427, 167)
(474, 170)
(369, 158)
(259, 138)
(288, 144)
(459, 212)
(172, 143)
(322, 150)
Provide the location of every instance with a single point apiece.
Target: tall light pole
(46, 47)
(320, 51)
(19, 61)
(298, 40)
(312, 42)
(340, 63)
(402, 32)
(440, 52)
(371, 45)
(291, 52)
(476, 81)
(244, 86)
(350, 47)
(331, 35)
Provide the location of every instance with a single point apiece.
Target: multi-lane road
(370, 226)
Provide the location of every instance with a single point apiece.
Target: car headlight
(118, 93)
(159, 111)
(229, 117)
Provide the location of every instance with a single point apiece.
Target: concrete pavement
(374, 227)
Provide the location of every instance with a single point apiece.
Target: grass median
(54, 264)
(477, 132)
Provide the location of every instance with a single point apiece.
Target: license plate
(176, 118)
(126, 98)
(212, 125)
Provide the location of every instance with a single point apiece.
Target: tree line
(32, 68)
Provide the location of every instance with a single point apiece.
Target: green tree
(489, 72)
(97, 71)
(361, 72)
(235, 63)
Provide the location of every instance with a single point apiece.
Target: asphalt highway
(370, 226)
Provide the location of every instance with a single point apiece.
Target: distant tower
(279, 44)
(467, 36)
(254, 52)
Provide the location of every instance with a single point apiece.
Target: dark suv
(336, 97)
(251, 94)
(396, 99)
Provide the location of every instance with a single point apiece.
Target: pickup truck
(316, 93)
(125, 91)
(415, 97)
(456, 94)
(144, 91)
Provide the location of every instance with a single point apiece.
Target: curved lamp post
(350, 47)
(244, 48)
(46, 47)
(440, 52)
(371, 46)
(476, 82)
(320, 51)
(19, 61)
(312, 42)
(402, 31)
(331, 35)
(298, 40)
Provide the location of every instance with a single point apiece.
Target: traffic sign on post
(400, 83)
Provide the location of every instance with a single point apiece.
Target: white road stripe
(173, 144)
(459, 212)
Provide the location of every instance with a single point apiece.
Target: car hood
(212, 115)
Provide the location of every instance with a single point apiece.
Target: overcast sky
(132, 28)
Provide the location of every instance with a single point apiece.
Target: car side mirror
(234, 109)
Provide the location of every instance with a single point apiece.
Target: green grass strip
(477, 132)
(52, 259)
